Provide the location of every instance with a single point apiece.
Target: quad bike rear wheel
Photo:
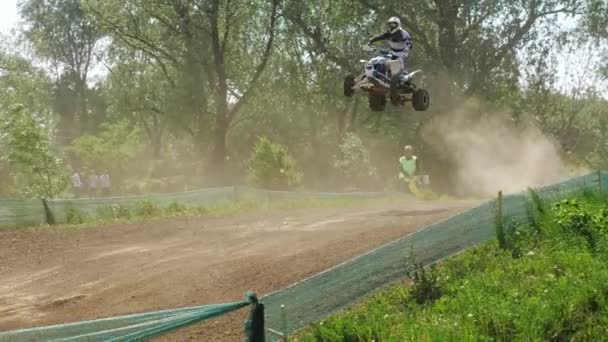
(377, 103)
(421, 100)
(349, 83)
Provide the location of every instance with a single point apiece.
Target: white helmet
(393, 24)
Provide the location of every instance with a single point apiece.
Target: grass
(146, 210)
(546, 281)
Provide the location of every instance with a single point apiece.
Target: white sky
(8, 15)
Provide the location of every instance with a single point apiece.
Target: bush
(114, 150)
(271, 167)
(353, 165)
(582, 219)
(427, 285)
(176, 209)
(74, 216)
(146, 208)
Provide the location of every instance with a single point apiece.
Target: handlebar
(371, 48)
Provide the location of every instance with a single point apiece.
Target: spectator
(93, 184)
(76, 184)
(105, 184)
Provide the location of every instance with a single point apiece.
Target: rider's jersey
(400, 40)
(408, 166)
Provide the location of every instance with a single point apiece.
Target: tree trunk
(341, 116)
(353, 116)
(218, 158)
(156, 147)
(83, 115)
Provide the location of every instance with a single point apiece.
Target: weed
(146, 208)
(75, 216)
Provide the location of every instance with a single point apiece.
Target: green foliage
(426, 287)
(582, 219)
(74, 216)
(555, 291)
(23, 84)
(146, 209)
(115, 149)
(200, 95)
(354, 165)
(61, 33)
(176, 209)
(272, 167)
(501, 235)
(32, 163)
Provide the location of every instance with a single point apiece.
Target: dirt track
(65, 275)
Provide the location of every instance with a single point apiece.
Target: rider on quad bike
(399, 41)
(384, 76)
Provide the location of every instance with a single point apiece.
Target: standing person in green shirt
(408, 164)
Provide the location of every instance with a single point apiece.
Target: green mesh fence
(124, 328)
(103, 207)
(14, 213)
(315, 298)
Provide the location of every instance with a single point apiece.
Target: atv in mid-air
(382, 78)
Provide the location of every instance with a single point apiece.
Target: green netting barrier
(125, 328)
(98, 207)
(317, 297)
(15, 213)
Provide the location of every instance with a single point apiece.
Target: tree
(354, 165)
(33, 165)
(271, 167)
(212, 57)
(23, 84)
(115, 150)
(62, 33)
(595, 20)
(137, 90)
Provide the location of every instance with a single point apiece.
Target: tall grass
(147, 210)
(547, 281)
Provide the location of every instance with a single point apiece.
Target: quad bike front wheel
(349, 83)
(421, 100)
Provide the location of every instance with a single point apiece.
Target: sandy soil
(52, 276)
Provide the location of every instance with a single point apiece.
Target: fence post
(500, 232)
(500, 218)
(599, 181)
(254, 326)
(284, 322)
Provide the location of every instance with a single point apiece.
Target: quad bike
(418, 186)
(383, 78)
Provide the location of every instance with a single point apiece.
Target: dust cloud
(489, 152)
